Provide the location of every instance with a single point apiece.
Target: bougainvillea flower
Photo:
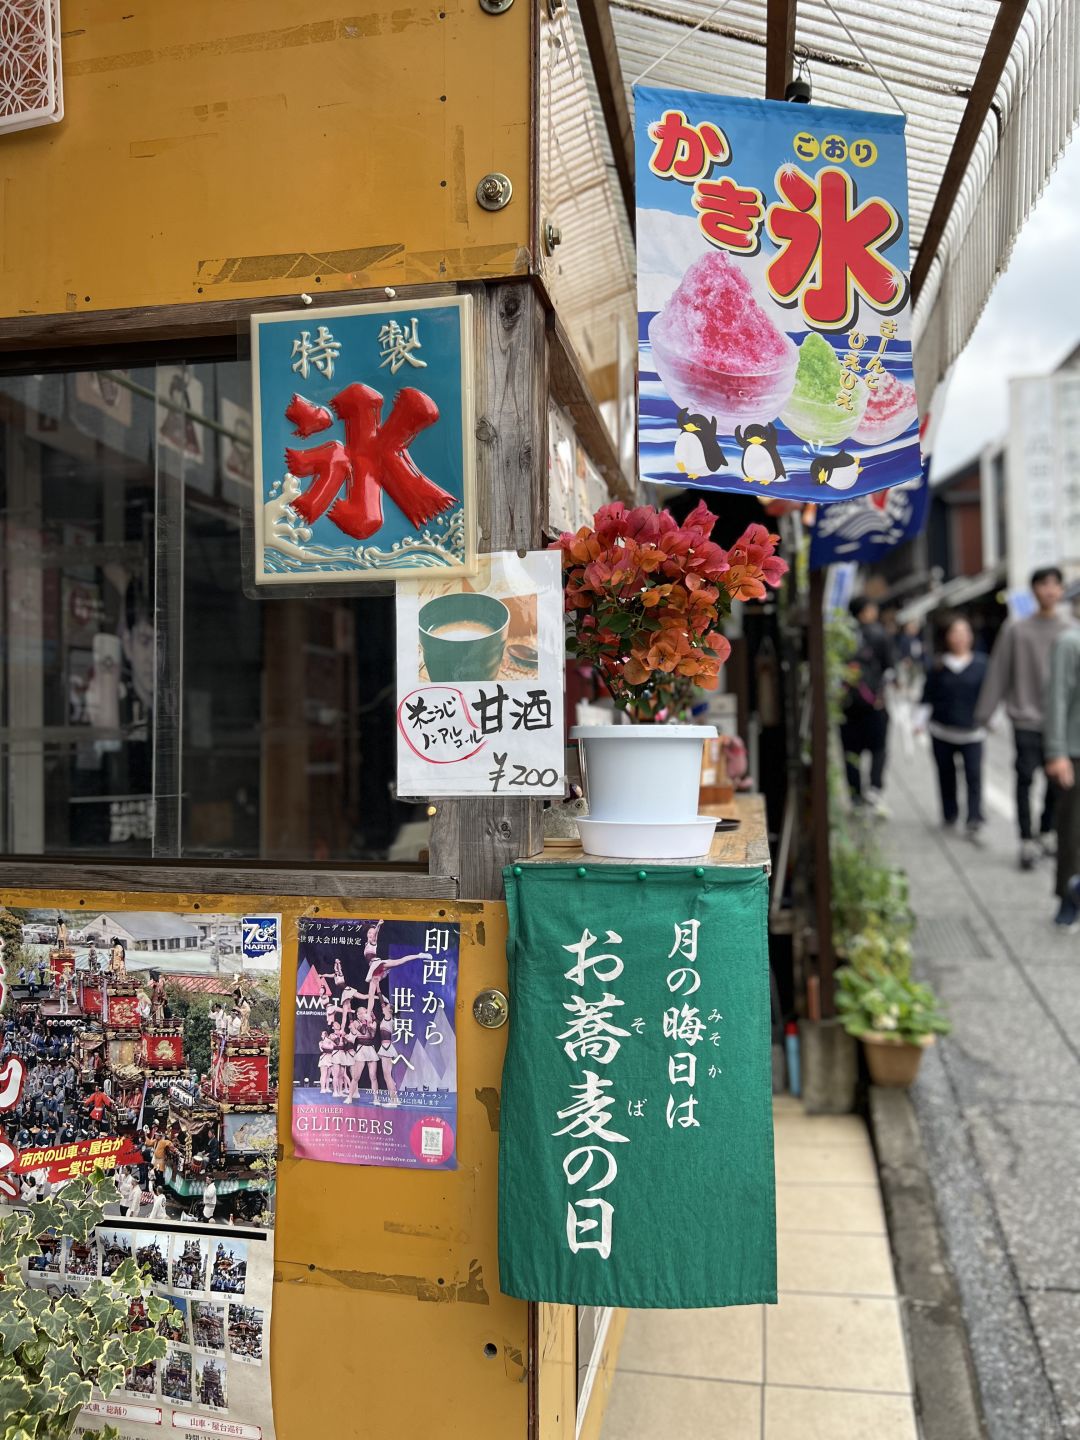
(647, 597)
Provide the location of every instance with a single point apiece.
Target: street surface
(998, 1102)
(826, 1363)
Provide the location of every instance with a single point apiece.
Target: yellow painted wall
(222, 149)
(386, 1281)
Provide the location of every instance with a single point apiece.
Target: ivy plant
(881, 1003)
(54, 1352)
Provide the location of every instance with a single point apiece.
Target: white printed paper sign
(480, 674)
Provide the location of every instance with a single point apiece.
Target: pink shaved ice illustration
(811, 411)
(890, 409)
(715, 349)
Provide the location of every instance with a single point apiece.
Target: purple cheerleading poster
(375, 1051)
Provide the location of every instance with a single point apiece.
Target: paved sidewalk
(828, 1362)
(998, 1103)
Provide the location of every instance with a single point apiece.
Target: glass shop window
(149, 707)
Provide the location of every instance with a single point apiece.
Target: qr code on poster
(431, 1140)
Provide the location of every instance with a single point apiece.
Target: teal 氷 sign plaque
(363, 441)
(636, 1147)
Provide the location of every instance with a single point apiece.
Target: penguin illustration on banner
(761, 462)
(839, 471)
(697, 450)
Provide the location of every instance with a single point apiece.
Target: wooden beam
(225, 877)
(109, 332)
(779, 47)
(998, 47)
(819, 792)
(474, 837)
(604, 54)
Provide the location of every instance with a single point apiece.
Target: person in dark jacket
(951, 693)
(865, 725)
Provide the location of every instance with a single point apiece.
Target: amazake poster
(774, 315)
(480, 676)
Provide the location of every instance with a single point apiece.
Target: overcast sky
(1031, 321)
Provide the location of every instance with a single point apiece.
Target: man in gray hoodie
(1018, 675)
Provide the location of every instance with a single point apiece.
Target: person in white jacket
(157, 1209)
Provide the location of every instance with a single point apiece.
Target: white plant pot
(642, 773)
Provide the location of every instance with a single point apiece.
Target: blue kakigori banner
(864, 529)
(774, 315)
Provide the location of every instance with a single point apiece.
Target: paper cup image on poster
(147, 1044)
(774, 322)
(375, 1064)
(363, 441)
(480, 680)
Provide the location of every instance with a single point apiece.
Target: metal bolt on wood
(494, 191)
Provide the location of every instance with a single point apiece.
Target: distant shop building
(141, 930)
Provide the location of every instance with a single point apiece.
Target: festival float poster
(480, 679)
(774, 312)
(363, 441)
(375, 1062)
(146, 1042)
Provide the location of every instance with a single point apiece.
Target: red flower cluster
(647, 596)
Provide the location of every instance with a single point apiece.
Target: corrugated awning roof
(923, 58)
(152, 925)
(960, 591)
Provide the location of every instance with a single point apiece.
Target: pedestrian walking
(1018, 675)
(865, 726)
(1061, 740)
(950, 695)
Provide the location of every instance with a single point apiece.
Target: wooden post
(473, 838)
(779, 47)
(819, 790)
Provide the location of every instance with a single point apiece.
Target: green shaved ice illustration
(818, 375)
(812, 412)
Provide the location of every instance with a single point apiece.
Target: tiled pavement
(998, 1103)
(828, 1362)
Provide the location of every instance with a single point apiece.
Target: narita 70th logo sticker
(259, 936)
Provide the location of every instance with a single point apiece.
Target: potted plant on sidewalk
(894, 1016)
(646, 599)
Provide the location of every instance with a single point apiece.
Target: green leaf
(109, 1377)
(117, 1351)
(45, 1215)
(59, 1364)
(85, 1330)
(127, 1277)
(34, 1302)
(16, 1333)
(75, 1392)
(15, 1396)
(148, 1346)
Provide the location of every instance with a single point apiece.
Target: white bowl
(648, 840)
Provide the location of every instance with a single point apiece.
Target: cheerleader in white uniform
(326, 1047)
(389, 1054)
(367, 1056)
